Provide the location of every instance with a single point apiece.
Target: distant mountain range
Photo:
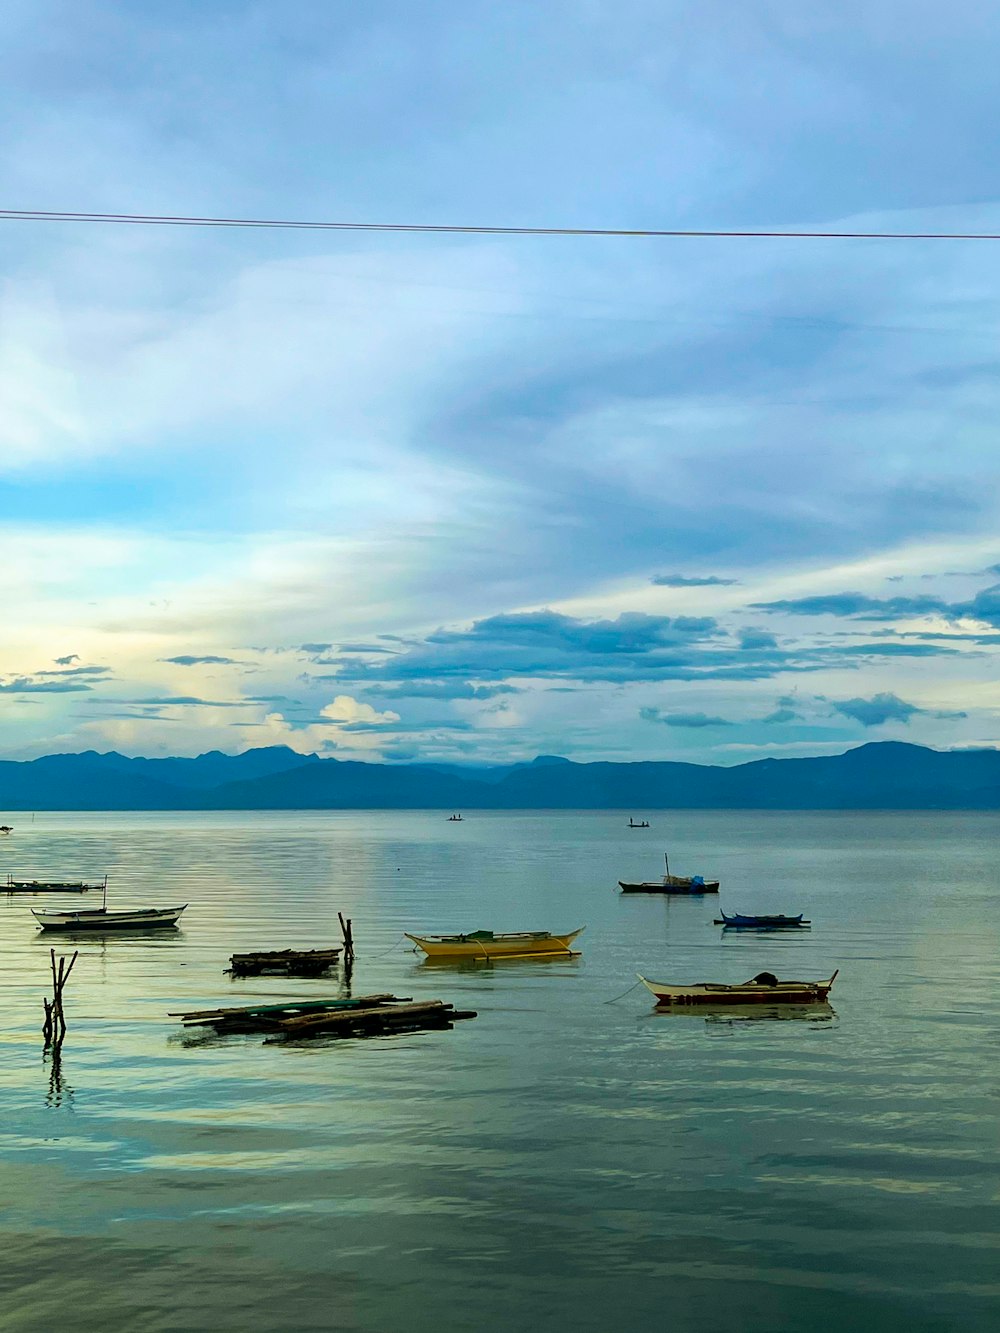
(885, 775)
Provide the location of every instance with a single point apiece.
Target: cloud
(695, 720)
(782, 715)
(67, 661)
(984, 606)
(187, 660)
(440, 689)
(756, 638)
(683, 581)
(858, 604)
(349, 712)
(26, 685)
(77, 671)
(877, 710)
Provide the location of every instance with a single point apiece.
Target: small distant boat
(764, 988)
(48, 886)
(672, 883)
(100, 919)
(643, 823)
(760, 922)
(5, 829)
(485, 944)
(454, 819)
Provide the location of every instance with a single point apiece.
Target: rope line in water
(623, 994)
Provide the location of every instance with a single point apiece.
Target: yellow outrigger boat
(487, 945)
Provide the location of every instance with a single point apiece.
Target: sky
(471, 499)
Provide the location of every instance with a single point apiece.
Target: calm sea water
(559, 1162)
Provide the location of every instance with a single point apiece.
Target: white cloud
(346, 709)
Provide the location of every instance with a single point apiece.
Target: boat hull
(101, 921)
(677, 885)
(528, 944)
(669, 995)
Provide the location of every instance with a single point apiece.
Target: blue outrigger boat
(761, 922)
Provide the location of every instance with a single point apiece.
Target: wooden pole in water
(348, 934)
(54, 1027)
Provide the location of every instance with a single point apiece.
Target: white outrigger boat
(100, 919)
(764, 988)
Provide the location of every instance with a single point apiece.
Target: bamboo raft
(284, 962)
(364, 1016)
(47, 886)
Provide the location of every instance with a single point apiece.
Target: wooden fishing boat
(765, 988)
(486, 944)
(642, 823)
(672, 884)
(669, 883)
(742, 922)
(100, 919)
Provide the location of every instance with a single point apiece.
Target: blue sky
(478, 498)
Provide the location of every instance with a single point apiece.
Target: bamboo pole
(54, 1027)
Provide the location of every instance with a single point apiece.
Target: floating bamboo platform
(363, 1016)
(47, 886)
(284, 962)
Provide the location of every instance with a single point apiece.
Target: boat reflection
(62, 939)
(473, 964)
(732, 1015)
(758, 930)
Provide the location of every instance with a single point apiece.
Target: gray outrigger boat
(100, 919)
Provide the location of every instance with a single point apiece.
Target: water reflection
(59, 1094)
(553, 1156)
(735, 1014)
(473, 964)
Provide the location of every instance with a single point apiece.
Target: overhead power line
(428, 228)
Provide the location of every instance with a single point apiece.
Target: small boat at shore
(672, 883)
(6, 830)
(100, 919)
(485, 944)
(764, 988)
(778, 922)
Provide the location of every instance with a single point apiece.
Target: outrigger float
(765, 988)
(363, 1016)
(486, 945)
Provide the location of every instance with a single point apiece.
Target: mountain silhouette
(888, 775)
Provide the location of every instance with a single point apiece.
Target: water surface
(558, 1162)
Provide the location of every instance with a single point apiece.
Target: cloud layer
(472, 496)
